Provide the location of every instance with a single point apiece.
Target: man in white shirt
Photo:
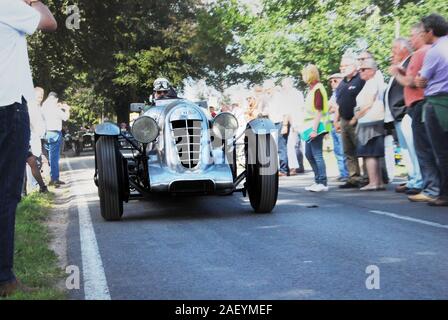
(279, 114)
(54, 113)
(294, 104)
(18, 18)
(37, 126)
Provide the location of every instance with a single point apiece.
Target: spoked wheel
(110, 176)
(262, 172)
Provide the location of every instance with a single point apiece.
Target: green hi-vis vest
(310, 110)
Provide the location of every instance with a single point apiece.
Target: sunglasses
(364, 69)
(160, 92)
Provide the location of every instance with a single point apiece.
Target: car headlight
(225, 125)
(145, 129)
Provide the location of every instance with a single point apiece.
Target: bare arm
(421, 82)
(405, 81)
(317, 119)
(401, 77)
(365, 108)
(47, 21)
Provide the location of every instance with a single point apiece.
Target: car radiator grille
(187, 135)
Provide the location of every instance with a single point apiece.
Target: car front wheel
(109, 177)
(262, 173)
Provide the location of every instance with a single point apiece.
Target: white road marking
(396, 216)
(95, 283)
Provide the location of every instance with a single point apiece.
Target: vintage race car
(176, 147)
(82, 141)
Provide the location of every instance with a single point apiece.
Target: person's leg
(389, 157)
(310, 157)
(293, 164)
(282, 149)
(371, 167)
(349, 146)
(299, 152)
(374, 172)
(425, 154)
(438, 138)
(54, 145)
(381, 174)
(32, 162)
(415, 175)
(14, 143)
(339, 153)
(316, 147)
(405, 152)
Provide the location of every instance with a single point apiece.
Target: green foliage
(288, 34)
(123, 45)
(120, 48)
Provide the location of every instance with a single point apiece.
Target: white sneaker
(310, 187)
(318, 188)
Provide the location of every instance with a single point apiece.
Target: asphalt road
(313, 246)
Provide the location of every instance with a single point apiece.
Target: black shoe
(362, 184)
(60, 182)
(402, 188)
(295, 172)
(54, 184)
(43, 189)
(439, 202)
(413, 191)
(349, 185)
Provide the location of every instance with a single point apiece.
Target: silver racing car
(176, 147)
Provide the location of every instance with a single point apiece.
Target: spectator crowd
(364, 116)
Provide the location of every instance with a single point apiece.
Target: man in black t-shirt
(346, 93)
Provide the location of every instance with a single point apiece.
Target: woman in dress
(369, 121)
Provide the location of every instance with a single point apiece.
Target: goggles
(161, 86)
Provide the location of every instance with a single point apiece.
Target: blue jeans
(438, 139)
(339, 153)
(14, 144)
(54, 140)
(282, 149)
(299, 153)
(425, 154)
(406, 140)
(313, 152)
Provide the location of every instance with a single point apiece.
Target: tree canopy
(123, 45)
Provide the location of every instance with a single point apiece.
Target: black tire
(262, 188)
(110, 173)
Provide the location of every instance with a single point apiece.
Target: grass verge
(35, 264)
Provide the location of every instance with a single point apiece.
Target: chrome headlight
(225, 125)
(145, 129)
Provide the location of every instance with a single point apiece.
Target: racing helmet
(161, 84)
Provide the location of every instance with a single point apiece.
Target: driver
(162, 89)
